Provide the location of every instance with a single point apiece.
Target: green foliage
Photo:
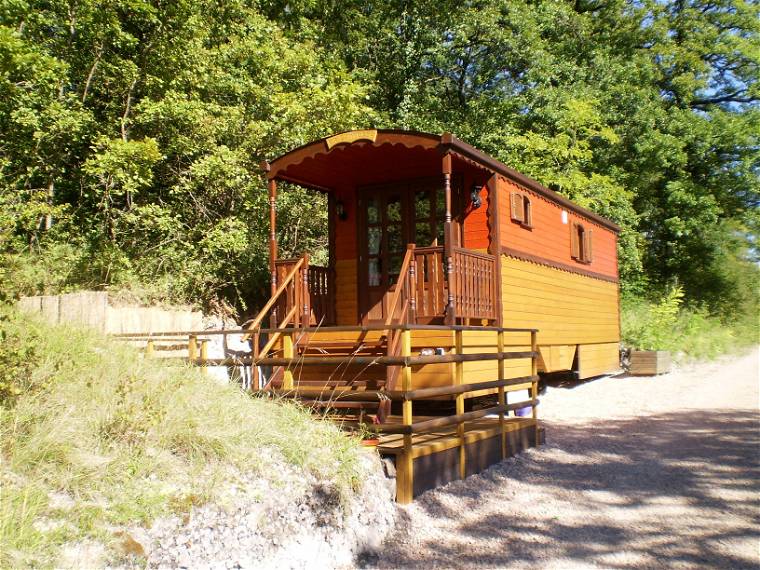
(127, 439)
(688, 332)
(650, 326)
(136, 131)
(20, 353)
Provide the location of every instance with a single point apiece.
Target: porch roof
(361, 157)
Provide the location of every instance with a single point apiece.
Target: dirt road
(637, 473)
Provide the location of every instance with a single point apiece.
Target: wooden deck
(391, 379)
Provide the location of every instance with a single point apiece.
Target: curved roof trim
(444, 143)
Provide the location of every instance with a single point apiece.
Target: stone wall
(92, 309)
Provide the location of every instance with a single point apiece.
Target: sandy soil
(657, 472)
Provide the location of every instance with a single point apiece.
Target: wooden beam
(423, 393)
(502, 395)
(495, 243)
(395, 360)
(273, 232)
(448, 237)
(287, 351)
(435, 423)
(534, 373)
(342, 328)
(407, 461)
(458, 381)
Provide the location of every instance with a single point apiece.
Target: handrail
(273, 299)
(402, 360)
(348, 395)
(341, 328)
(446, 421)
(401, 283)
(276, 335)
(472, 253)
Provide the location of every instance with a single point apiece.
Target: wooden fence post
(406, 489)
(149, 347)
(287, 352)
(192, 348)
(534, 381)
(204, 354)
(458, 381)
(502, 395)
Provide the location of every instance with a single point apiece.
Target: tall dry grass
(129, 439)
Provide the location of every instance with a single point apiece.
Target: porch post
(273, 232)
(448, 241)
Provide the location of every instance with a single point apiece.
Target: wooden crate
(649, 362)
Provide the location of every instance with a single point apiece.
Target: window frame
(519, 213)
(581, 243)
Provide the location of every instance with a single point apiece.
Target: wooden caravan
(452, 281)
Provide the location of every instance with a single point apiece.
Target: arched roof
(356, 158)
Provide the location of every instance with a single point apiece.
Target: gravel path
(638, 472)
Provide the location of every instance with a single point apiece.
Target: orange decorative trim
(556, 265)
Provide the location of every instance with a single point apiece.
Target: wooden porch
(307, 294)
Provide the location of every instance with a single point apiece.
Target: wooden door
(384, 232)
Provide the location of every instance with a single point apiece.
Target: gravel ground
(657, 472)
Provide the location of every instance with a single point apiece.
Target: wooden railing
(312, 292)
(322, 294)
(398, 313)
(458, 389)
(474, 284)
(429, 282)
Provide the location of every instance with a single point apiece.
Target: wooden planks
(346, 292)
(649, 362)
(549, 236)
(596, 359)
(568, 309)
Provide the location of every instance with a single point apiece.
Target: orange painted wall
(550, 238)
(476, 230)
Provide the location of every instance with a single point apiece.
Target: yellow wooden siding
(596, 359)
(566, 308)
(473, 342)
(346, 292)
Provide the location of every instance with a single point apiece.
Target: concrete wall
(91, 308)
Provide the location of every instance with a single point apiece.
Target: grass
(130, 439)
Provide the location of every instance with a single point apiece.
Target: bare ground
(659, 472)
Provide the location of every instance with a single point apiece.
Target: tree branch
(92, 72)
(729, 98)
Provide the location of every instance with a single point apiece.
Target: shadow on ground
(666, 490)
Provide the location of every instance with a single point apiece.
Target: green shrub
(20, 352)
(688, 332)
